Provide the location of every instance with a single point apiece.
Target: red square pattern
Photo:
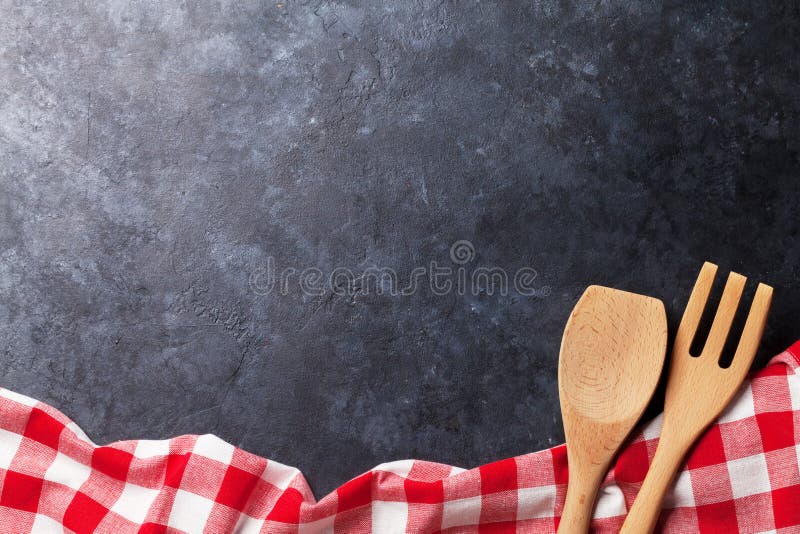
(21, 491)
(112, 462)
(632, 463)
(708, 450)
(44, 428)
(83, 514)
(236, 488)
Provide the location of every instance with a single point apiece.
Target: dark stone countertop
(157, 159)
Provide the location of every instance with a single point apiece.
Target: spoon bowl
(611, 359)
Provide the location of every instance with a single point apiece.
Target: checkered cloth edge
(742, 476)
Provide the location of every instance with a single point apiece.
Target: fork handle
(643, 515)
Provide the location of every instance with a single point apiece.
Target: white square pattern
(189, 512)
(67, 471)
(653, 429)
(320, 526)
(134, 502)
(9, 443)
(794, 391)
(682, 494)
(248, 525)
(535, 502)
(150, 448)
(16, 397)
(741, 407)
(749, 476)
(389, 517)
(400, 467)
(78, 431)
(43, 524)
(610, 502)
(279, 475)
(211, 446)
(461, 512)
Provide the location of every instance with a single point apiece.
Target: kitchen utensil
(698, 388)
(611, 358)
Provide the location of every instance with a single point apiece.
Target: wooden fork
(698, 389)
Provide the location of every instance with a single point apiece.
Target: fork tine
(753, 330)
(723, 319)
(694, 309)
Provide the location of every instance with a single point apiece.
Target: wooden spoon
(611, 358)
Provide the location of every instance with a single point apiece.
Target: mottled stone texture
(155, 154)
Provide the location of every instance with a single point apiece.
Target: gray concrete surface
(156, 158)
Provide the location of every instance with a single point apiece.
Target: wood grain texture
(611, 358)
(698, 389)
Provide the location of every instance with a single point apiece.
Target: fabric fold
(741, 476)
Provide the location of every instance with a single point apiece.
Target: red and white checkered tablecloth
(741, 476)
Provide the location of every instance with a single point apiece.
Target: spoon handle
(584, 482)
(643, 515)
